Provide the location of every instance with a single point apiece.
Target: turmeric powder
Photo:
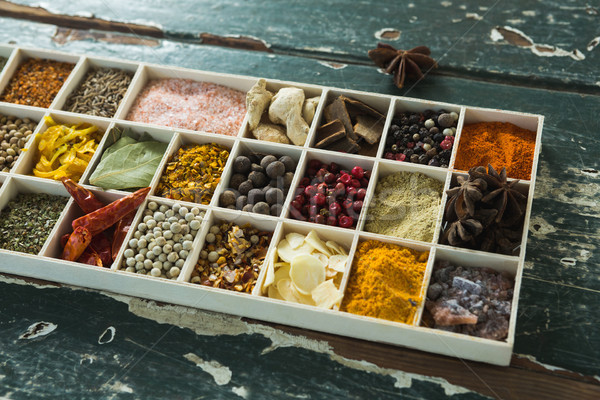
(386, 281)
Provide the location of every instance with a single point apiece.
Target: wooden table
(516, 55)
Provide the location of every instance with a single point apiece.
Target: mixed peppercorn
(423, 138)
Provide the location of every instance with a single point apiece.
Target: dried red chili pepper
(102, 246)
(90, 257)
(120, 232)
(88, 202)
(77, 243)
(85, 199)
(103, 218)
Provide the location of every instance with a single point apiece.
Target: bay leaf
(131, 165)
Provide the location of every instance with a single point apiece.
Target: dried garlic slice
(315, 241)
(338, 262)
(307, 272)
(287, 253)
(322, 257)
(326, 295)
(336, 248)
(284, 288)
(274, 293)
(295, 239)
(269, 279)
(283, 272)
(302, 298)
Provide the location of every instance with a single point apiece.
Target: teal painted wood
(459, 33)
(147, 360)
(558, 316)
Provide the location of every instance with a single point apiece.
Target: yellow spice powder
(385, 282)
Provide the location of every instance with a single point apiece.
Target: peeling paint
(518, 38)
(388, 34)
(241, 391)
(38, 329)
(220, 373)
(474, 16)
(591, 172)
(446, 3)
(212, 324)
(535, 361)
(333, 65)
(516, 21)
(529, 13)
(118, 387)
(103, 339)
(568, 261)
(88, 358)
(593, 43)
(538, 227)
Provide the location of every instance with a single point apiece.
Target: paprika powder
(502, 144)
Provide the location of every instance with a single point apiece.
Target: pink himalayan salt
(188, 104)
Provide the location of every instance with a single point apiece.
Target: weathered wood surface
(558, 340)
(461, 34)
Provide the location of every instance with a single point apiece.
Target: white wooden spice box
(48, 266)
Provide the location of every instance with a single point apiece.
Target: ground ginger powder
(386, 281)
(406, 205)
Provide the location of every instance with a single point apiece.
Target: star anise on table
(402, 63)
(503, 196)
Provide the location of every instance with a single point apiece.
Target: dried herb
(129, 162)
(402, 63)
(28, 220)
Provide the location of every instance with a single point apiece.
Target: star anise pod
(462, 231)
(504, 196)
(462, 198)
(501, 240)
(402, 63)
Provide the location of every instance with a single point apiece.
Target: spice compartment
(355, 113)
(153, 246)
(400, 242)
(314, 163)
(21, 55)
(487, 223)
(26, 164)
(54, 246)
(181, 142)
(182, 291)
(508, 266)
(235, 239)
(343, 238)
(379, 195)
(129, 159)
(473, 115)
(88, 65)
(184, 111)
(246, 167)
(19, 136)
(304, 100)
(49, 217)
(419, 133)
